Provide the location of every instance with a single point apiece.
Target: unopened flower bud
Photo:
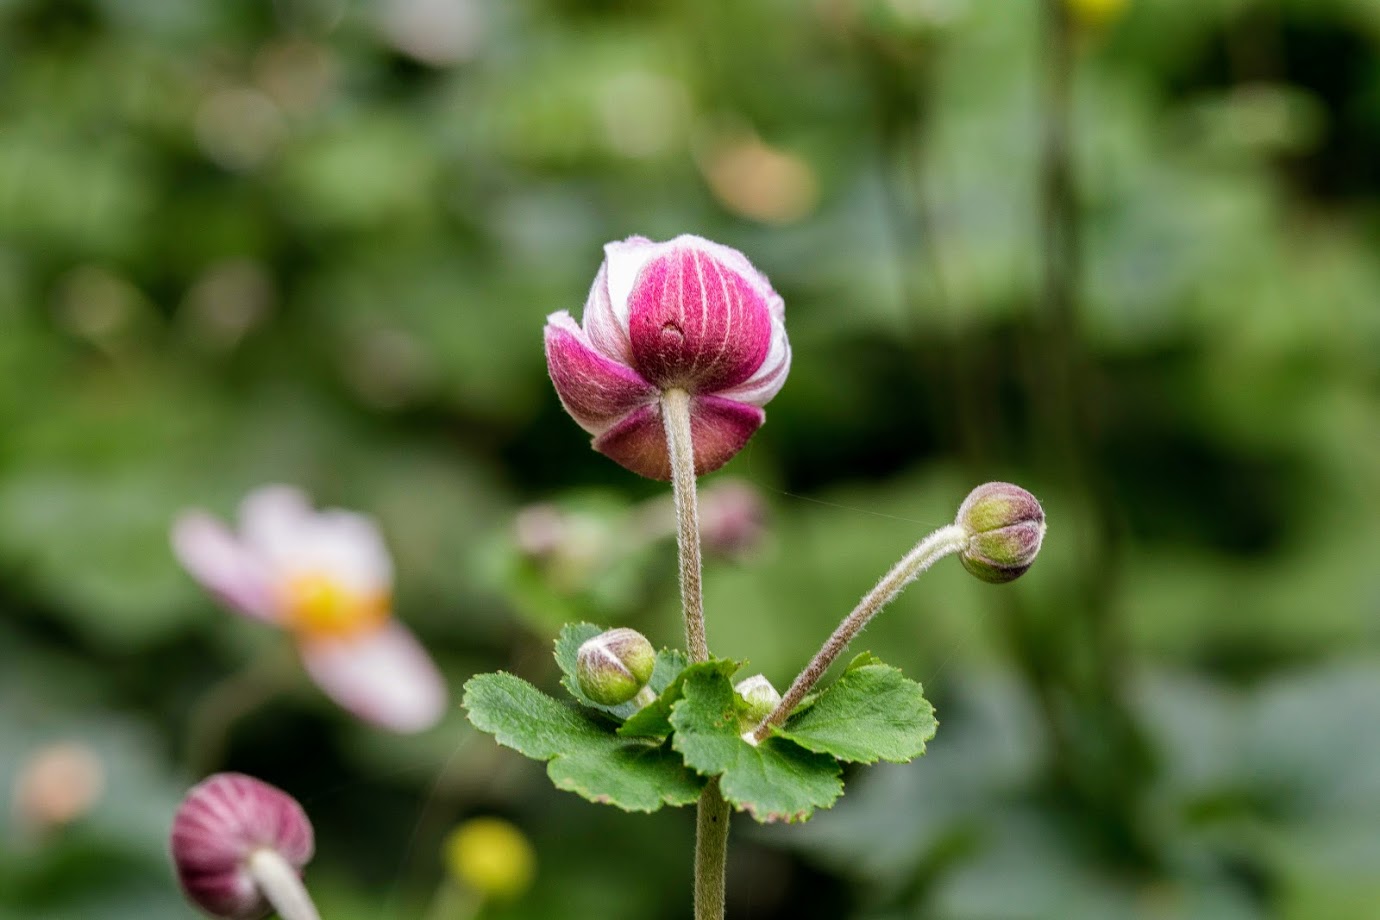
(732, 518)
(239, 846)
(58, 784)
(613, 666)
(761, 698)
(491, 857)
(1005, 525)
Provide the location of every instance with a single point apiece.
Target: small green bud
(613, 666)
(1005, 525)
(761, 697)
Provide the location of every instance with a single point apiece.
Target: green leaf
(585, 757)
(669, 663)
(873, 712)
(773, 781)
(654, 719)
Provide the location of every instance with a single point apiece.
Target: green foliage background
(303, 241)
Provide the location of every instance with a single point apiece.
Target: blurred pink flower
(685, 314)
(326, 577)
(232, 839)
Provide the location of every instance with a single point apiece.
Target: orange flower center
(319, 606)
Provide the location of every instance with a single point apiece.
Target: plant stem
(675, 416)
(926, 553)
(712, 812)
(711, 853)
(282, 886)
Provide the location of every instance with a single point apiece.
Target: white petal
(292, 538)
(348, 547)
(384, 677)
(274, 521)
(607, 333)
(768, 379)
(623, 262)
(223, 565)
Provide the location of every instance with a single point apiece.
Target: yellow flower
(491, 857)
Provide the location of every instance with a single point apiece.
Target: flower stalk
(281, 885)
(941, 543)
(712, 812)
(675, 415)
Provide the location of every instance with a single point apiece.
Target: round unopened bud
(613, 666)
(761, 698)
(58, 784)
(233, 836)
(1005, 525)
(491, 857)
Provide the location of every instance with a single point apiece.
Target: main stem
(281, 884)
(712, 813)
(936, 546)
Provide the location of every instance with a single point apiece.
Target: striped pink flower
(686, 314)
(325, 577)
(238, 844)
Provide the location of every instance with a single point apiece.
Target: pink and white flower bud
(687, 314)
(239, 845)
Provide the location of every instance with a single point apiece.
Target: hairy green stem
(926, 553)
(675, 416)
(712, 812)
(711, 853)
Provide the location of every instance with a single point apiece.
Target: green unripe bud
(614, 666)
(1004, 525)
(761, 698)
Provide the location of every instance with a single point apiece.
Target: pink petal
(384, 677)
(596, 390)
(718, 428)
(695, 323)
(638, 443)
(737, 262)
(767, 381)
(223, 565)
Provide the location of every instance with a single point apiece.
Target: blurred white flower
(325, 577)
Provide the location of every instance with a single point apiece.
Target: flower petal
(623, 262)
(768, 379)
(274, 521)
(223, 565)
(718, 428)
(384, 677)
(292, 538)
(638, 442)
(607, 331)
(596, 390)
(695, 323)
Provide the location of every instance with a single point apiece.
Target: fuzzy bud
(1005, 525)
(761, 698)
(224, 825)
(613, 666)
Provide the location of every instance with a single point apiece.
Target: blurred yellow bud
(491, 857)
(1096, 14)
